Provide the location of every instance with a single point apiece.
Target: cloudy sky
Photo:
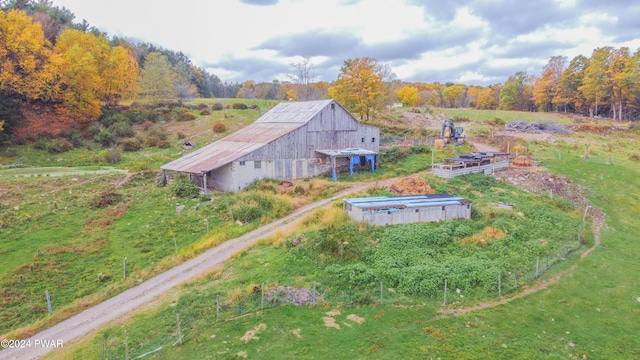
(473, 42)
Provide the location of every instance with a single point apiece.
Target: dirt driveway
(91, 319)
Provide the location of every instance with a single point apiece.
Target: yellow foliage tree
(23, 53)
(408, 96)
(360, 87)
(120, 76)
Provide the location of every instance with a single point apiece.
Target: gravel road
(92, 318)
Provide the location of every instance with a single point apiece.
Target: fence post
(124, 266)
(48, 301)
(445, 291)
(175, 243)
(179, 329)
(313, 295)
(381, 296)
(217, 308)
(126, 347)
(499, 285)
(262, 300)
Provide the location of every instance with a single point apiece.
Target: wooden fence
(450, 171)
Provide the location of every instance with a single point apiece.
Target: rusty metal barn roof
(277, 122)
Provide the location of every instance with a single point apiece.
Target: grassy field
(586, 314)
(55, 237)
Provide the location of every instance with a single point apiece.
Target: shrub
(58, 146)
(186, 116)
(163, 144)
(147, 125)
(205, 112)
(151, 141)
(105, 137)
(122, 129)
(219, 127)
(634, 156)
(217, 106)
(239, 106)
(202, 106)
(180, 135)
(113, 156)
(183, 187)
(255, 107)
(131, 144)
(74, 136)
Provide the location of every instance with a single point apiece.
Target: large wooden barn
(392, 210)
(293, 140)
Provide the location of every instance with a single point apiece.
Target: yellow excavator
(451, 133)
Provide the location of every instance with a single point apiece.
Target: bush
(151, 141)
(131, 144)
(163, 144)
(122, 129)
(255, 107)
(105, 199)
(202, 106)
(105, 137)
(180, 135)
(74, 136)
(186, 116)
(239, 106)
(219, 127)
(183, 187)
(217, 106)
(113, 156)
(147, 125)
(205, 112)
(58, 146)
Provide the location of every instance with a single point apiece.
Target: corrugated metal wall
(410, 215)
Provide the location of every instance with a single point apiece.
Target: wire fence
(183, 323)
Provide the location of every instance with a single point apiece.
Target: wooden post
(126, 347)
(445, 291)
(124, 266)
(515, 281)
(381, 294)
(48, 301)
(204, 182)
(262, 300)
(499, 285)
(179, 329)
(314, 292)
(175, 243)
(217, 308)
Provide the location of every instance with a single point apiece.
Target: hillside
(143, 226)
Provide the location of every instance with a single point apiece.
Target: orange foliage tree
(360, 87)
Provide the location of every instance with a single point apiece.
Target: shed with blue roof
(392, 210)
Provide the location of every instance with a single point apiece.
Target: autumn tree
(360, 87)
(515, 94)
(567, 93)
(157, 78)
(408, 96)
(24, 52)
(594, 83)
(120, 76)
(455, 95)
(76, 74)
(544, 88)
(488, 98)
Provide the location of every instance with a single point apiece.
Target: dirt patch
(295, 295)
(333, 313)
(411, 185)
(330, 322)
(251, 334)
(522, 161)
(538, 181)
(296, 333)
(355, 318)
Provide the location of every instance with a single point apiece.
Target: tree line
(51, 64)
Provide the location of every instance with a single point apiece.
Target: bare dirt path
(92, 318)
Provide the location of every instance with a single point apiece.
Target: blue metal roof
(408, 201)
